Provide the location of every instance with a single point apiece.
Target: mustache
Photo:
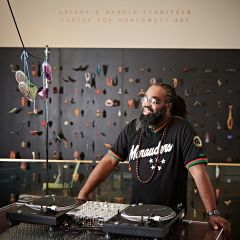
(150, 109)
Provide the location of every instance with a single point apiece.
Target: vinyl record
(59, 201)
(147, 212)
(55, 203)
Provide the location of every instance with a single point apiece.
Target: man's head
(156, 105)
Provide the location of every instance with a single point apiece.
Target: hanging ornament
(217, 171)
(22, 102)
(109, 102)
(98, 113)
(105, 69)
(23, 166)
(104, 113)
(120, 69)
(175, 82)
(28, 89)
(131, 103)
(43, 93)
(218, 125)
(47, 70)
(119, 113)
(39, 72)
(217, 193)
(34, 70)
(76, 155)
(12, 198)
(229, 136)
(230, 118)
(76, 112)
(98, 69)
(12, 154)
(33, 177)
(194, 213)
(115, 81)
(55, 90)
(81, 68)
(98, 91)
(141, 93)
(120, 91)
(207, 137)
(219, 82)
(88, 82)
(227, 202)
(109, 81)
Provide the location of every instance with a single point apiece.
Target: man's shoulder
(132, 123)
(179, 121)
(130, 126)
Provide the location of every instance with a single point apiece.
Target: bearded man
(161, 147)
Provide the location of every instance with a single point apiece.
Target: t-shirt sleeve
(119, 149)
(192, 149)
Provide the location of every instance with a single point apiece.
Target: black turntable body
(48, 210)
(144, 220)
(57, 218)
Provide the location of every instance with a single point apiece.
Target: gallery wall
(206, 79)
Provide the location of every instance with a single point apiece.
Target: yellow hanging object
(230, 118)
(175, 82)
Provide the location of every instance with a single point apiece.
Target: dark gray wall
(197, 70)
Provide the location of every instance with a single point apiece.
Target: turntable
(153, 221)
(48, 210)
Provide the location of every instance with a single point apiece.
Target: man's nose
(146, 103)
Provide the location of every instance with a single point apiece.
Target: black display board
(208, 80)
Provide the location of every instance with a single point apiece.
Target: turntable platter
(148, 212)
(48, 210)
(60, 201)
(144, 221)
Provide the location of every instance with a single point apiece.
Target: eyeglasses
(152, 100)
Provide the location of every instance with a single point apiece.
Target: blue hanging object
(99, 69)
(229, 136)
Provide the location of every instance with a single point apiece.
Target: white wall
(122, 23)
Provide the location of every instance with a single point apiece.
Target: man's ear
(169, 106)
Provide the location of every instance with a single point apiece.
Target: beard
(151, 120)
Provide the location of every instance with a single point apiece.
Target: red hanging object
(44, 123)
(217, 193)
(23, 166)
(12, 154)
(34, 70)
(129, 168)
(22, 102)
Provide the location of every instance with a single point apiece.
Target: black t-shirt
(180, 148)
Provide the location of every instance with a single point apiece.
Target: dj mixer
(52, 216)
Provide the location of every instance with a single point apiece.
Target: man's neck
(161, 125)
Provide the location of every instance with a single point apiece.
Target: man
(161, 148)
